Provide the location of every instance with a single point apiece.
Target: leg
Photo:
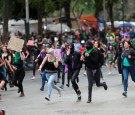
(90, 83)
(73, 80)
(69, 77)
(97, 79)
(21, 77)
(51, 77)
(43, 76)
(125, 75)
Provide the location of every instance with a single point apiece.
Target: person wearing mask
(91, 59)
(74, 63)
(50, 63)
(128, 65)
(19, 72)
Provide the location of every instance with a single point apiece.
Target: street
(110, 102)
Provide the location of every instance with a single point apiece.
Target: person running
(19, 72)
(110, 56)
(6, 56)
(2, 74)
(101, 51)
(74, 63)
(128, 65)
(50, 63)
(39, 60)
(91, 59)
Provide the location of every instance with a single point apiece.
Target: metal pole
(27, 19)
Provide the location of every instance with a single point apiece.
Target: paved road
(110, 102)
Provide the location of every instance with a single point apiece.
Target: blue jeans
(126, 71)
(3, 74)
(43, 76)
(51, 78)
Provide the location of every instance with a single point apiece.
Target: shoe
(67, 85)
(47, 98)
(79, 99)
(21, 95)
(18, 91)
(124, 94)
(62, 87)
(89, 101)
(42, 89)
(33, 77)
(59, 93)
(105, 86)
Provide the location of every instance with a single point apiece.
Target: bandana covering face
(89, 51)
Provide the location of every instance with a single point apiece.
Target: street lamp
(27, 19)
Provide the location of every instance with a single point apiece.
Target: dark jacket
(76, 58)
(92, 61)
(131, 52)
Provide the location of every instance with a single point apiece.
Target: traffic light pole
(27, 19)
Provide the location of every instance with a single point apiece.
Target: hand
(86, 54)
(39, 70)
(82, 58)
(129, 56)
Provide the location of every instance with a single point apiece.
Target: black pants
(18, 79)
(93, 75)
(74, 75)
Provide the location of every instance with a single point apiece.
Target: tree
(6, 14)
(109, 7)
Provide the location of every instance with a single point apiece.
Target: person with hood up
(91, 59)
(74, 63)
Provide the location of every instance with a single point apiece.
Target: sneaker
(78, 99)
(67, 85)
(124, 94)
(42, 89)
(89, 101)
(47, 98)
(18, 91)
(59, 91)
(62, 87)
(33, 77)
(105, 86)
(21, 95)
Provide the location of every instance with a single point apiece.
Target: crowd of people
(93, 49)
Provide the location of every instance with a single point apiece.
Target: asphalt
(110, 102)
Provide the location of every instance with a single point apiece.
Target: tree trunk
(5, 36)
(110, 13)
(40, 16)
(67, 13)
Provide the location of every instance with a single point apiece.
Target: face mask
(89, 47)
